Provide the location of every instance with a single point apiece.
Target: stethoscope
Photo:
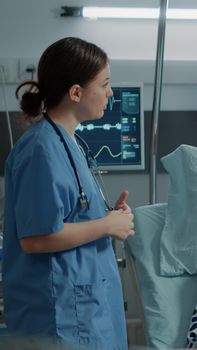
(92, 165)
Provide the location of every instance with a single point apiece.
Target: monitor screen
(117, 139)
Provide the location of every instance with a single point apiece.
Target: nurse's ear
(75, 93)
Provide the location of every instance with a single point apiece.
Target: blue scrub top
(74, 295)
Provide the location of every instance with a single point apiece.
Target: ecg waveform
(110, 152)
(90, 127)
(112, 101)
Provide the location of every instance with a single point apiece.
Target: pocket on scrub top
(93, 314)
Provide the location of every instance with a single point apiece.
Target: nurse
(60, 277)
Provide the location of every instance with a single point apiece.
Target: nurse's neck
(64, 117)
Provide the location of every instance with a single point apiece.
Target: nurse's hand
(120, 224)
(121, 202)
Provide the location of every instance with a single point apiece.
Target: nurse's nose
(110, 92)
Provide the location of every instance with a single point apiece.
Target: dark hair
(66, 62)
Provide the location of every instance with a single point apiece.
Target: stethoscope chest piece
(84, 201)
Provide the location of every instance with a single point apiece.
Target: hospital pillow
(179, 236)
(167, 302)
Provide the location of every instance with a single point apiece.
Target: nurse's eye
(106, 84)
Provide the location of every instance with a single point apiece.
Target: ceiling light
(127, 12)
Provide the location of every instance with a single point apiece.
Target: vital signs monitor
(117, 139)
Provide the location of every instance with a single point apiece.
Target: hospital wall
(28, 27)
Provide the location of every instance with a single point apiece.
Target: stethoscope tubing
(90, 161)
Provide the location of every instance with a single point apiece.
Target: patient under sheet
(167, 301)
(178, 247)
(165, 255)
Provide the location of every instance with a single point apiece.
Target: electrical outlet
(4, 70)
(27, 69)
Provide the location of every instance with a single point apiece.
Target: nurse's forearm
(72, 235)
(118, 224)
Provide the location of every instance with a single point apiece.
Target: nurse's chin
(100, 115)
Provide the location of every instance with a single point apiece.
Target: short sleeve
(40, 196)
